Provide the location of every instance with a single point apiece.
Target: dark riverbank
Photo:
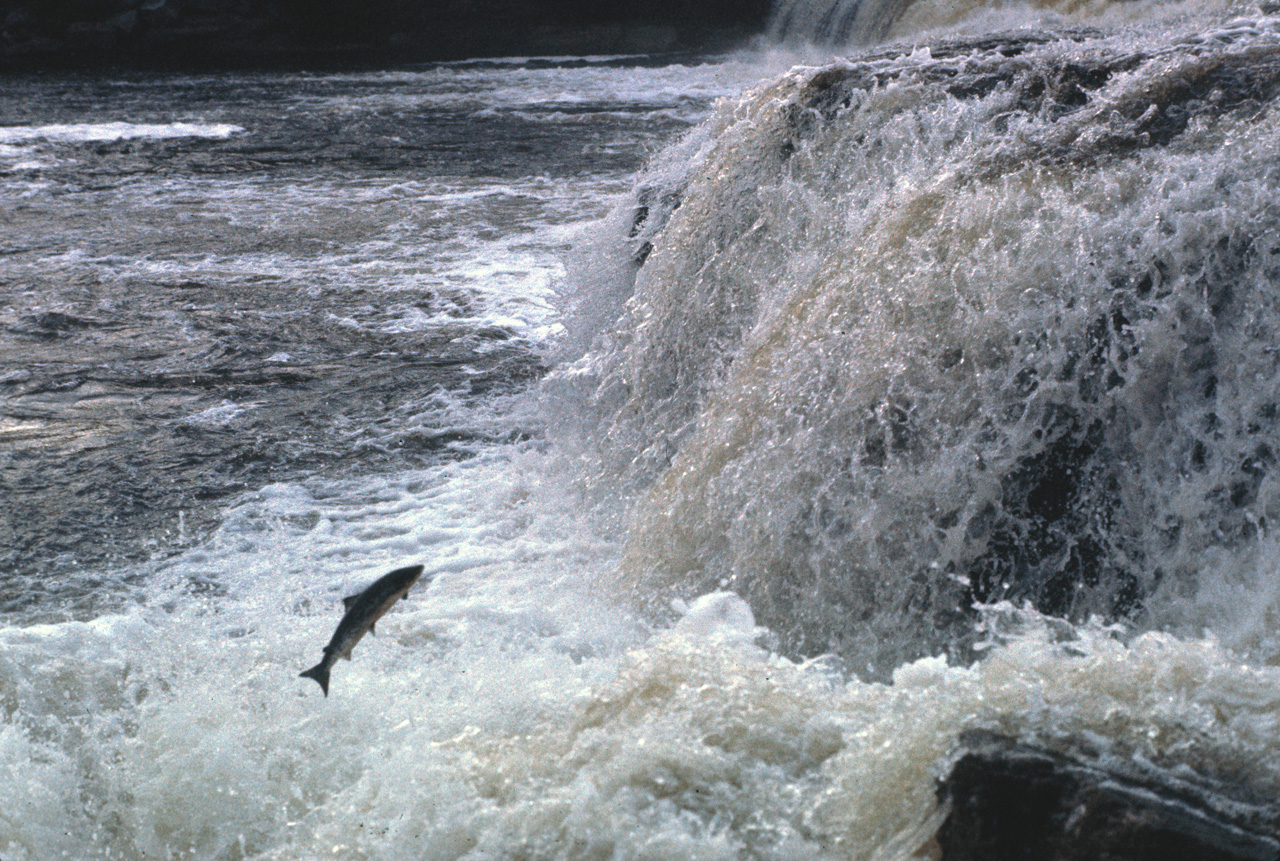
(67, 34)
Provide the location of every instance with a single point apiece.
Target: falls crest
(827, 23)
(856, 23)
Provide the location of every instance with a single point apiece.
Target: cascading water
(992, 319)
(845, 24)
(825, 22)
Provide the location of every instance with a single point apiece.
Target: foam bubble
(92, 132)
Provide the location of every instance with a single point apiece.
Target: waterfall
(988, 320)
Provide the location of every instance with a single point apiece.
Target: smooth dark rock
(1010, 800)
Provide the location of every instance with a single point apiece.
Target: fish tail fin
(320, 673)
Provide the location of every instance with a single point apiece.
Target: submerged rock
(1010, 800)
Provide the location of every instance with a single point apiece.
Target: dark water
(187, 317)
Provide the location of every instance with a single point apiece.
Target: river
(763, 422)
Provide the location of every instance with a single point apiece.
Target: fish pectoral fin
(349, 600)
(371, 629)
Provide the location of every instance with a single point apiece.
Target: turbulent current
(762, 422)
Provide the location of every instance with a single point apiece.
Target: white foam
(14, 159)
(486, 89)
(717, 617)
(504, 705)
(221, 415)
(90, 132)
(850, 23)
(453, 254)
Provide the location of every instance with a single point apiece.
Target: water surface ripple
(212, 283)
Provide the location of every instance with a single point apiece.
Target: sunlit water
(709, 423)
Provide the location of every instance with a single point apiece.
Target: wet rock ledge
(45, 34)
(1010, 800)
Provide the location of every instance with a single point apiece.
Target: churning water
(928, 389)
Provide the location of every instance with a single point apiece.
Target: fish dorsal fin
(349, 600)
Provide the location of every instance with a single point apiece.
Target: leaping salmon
(363, 610)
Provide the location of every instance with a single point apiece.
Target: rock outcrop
(1010, 800)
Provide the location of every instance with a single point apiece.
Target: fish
(363, 610)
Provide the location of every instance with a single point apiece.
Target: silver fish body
(364, 609)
